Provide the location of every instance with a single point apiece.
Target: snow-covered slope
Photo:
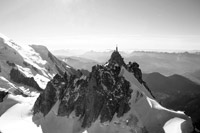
(152, 114)
(113, 99)
(33, 63)
(24, 73)
(16, 117)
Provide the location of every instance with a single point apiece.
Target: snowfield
(16, 117)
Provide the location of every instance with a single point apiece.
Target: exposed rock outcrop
(100, 95)
(18, 77)
(103, 94)
(111, 91)
(116, 58)
(2, 95)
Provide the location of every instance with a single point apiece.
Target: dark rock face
(100, 95)
(18, 77)
(26, 64)
(10, 64)
(29, 65)
(2, 95)
(116, 58)
(134, 68)
(46, 100)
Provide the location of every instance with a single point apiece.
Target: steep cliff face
(113, 98)
(103, 88)
(101, 95)
(18, 77)
(2, 95)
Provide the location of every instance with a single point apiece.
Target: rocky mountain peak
(116, 58)
(101, 95)
(109, 94)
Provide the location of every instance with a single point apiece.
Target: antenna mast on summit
(116, 48)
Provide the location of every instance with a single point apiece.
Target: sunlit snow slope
(32, 62)
(17, 118)
(24, 73)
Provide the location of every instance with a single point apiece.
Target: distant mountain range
(78, 62)
(67, 52)
(166, 63)
(194, 76)
(186, 64)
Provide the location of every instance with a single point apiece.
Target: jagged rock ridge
(2, 95)
(102, 94)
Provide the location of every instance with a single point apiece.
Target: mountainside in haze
(176, 92)
(162, 62)
(96, 56)
(194, 76)
(113, 98)
(67, 52)
(79, 62)
(166, 63)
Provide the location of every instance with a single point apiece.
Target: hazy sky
(101, 24)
